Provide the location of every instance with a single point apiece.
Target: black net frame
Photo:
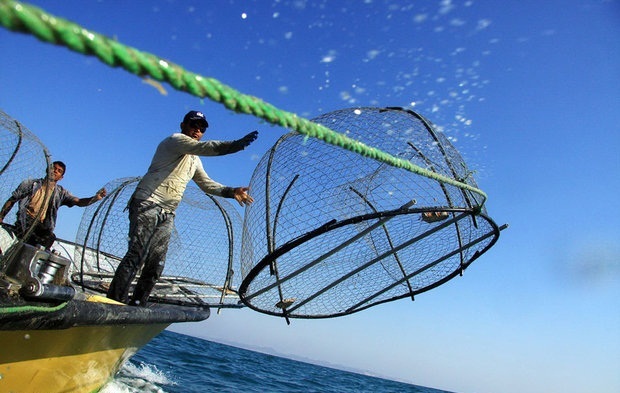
(335, 233)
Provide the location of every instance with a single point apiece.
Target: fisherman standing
(158, 194)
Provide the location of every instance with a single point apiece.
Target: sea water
(174, 362)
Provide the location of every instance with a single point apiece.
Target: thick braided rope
(24, 18)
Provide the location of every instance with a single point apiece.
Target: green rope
(20, 309)
(24, 18)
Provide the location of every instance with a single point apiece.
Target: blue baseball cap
(195, 116)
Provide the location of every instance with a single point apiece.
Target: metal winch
(42, 274)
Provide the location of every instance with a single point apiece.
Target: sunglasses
(197, 124)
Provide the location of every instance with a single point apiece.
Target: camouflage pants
(150, 228)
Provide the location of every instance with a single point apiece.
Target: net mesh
(22, 156)
(203, 250)
(333, 233)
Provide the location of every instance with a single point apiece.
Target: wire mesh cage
(200, 263)
(22, 156)
(333, 232)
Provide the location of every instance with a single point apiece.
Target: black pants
(39, 236)
(150, 228)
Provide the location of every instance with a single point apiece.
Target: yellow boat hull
(79, 345)
(79, 359)
(56, 339)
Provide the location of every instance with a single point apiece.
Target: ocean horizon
(177, 363)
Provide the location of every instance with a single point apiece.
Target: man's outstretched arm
(83, 202)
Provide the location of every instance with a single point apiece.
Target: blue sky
(526, 90)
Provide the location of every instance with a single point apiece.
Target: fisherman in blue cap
(157, 195)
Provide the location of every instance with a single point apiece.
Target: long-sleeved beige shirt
(174, 164)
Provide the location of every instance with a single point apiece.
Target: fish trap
(200, 260)
(22, 156)
(333, 232)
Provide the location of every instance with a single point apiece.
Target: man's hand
(83, 202)
(101, 194)
(242, 143)
(6, 208)
(241, 195)
(249, 138)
